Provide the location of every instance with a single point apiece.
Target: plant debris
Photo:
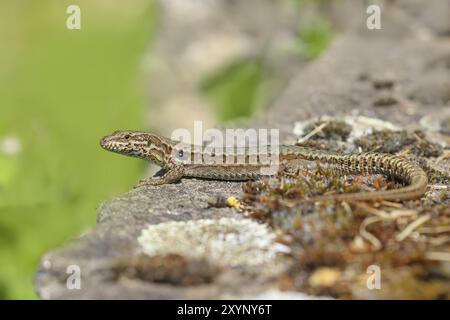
(334, 130)
(399, 141)
(334, 244)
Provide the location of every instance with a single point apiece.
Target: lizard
(171, 155)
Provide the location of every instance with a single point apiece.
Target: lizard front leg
(173, 174)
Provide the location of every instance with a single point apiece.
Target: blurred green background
(60, 92)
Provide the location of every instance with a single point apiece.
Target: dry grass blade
(439, 256)
(367, 235)
(313, 132)
(411, 227)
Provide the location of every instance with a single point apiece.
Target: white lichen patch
(225, 242)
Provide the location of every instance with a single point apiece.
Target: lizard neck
(159, 153)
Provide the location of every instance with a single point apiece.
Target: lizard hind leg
(172, 175)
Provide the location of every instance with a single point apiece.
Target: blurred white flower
(10, 145)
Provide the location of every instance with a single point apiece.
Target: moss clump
(333, 243)
(396, 141)
(332, 130)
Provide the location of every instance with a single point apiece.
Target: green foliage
(60, 91)
(314, 38)
(235, 89)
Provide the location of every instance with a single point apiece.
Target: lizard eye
(127, 136)
(180, 154)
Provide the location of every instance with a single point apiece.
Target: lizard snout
(105, 142)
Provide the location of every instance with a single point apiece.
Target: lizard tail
(377, 163)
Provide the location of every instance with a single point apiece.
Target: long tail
(375, 163)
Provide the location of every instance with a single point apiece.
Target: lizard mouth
(111, 144)
(107, 144)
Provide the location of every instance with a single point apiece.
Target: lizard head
(138, 144)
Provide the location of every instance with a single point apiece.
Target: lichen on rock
(225, 242)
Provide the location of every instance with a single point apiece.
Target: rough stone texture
(342, 82)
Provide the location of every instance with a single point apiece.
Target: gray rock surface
(340, 83)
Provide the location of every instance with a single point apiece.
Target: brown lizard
(172, 156)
